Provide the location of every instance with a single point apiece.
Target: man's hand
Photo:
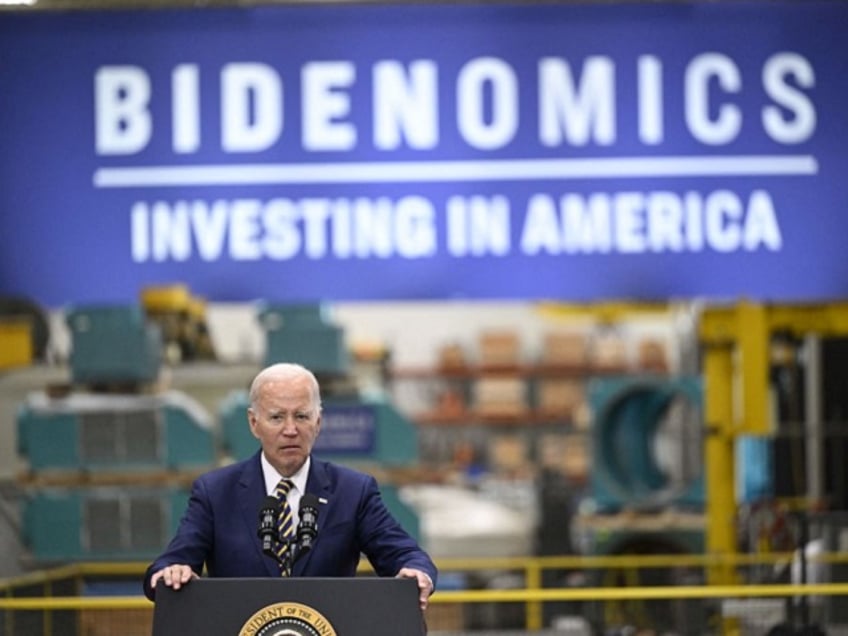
(425, 585)
(174, 576)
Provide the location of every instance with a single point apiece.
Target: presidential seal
(287, 619)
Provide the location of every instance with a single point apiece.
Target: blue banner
(393, 152)
(347, 430)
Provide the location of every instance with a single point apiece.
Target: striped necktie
(285, 527)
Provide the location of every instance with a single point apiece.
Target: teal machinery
(105, 467)
(646, 449)
(113, 346)
(304, 334)
(647, 441)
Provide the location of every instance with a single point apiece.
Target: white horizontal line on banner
(447, 171)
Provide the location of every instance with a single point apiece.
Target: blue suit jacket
(219, 527)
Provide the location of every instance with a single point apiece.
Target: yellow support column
(719, 461)
(752, 336)
(535, 618)
(736, 342)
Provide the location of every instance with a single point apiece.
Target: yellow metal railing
(529, 596)
(523, 595)
(533, 595)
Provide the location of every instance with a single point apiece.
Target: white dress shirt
(272, 478)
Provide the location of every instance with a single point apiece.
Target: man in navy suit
(220, 526)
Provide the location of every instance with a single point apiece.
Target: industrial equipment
(181, 316)
(304, 334)
(646, 440)
(110, 455)
(108, 474)
(113, 346)
(116, 433)
(101, 523)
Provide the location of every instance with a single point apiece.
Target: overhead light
(19, 2)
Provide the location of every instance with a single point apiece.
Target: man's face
(286, 422)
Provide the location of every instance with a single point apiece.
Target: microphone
(268, 524)
(307, 529)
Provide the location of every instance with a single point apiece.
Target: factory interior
(497, 431)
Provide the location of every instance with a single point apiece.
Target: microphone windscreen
(269, 502)
(308, 501)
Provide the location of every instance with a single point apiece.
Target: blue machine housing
(629, 412)
(101, 523)
(305, 335)
(113, 344)
(98, 432)
(166, 437)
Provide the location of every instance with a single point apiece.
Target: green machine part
(101, 523)
(115, 432)
(113, 345)
(304, 334)
(630, 414)
(631, 473)
(48, 440)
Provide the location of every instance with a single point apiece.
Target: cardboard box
(451, 404)
(560, 398)
(564, 349)
(500, 396)
(576, 459)
(452, 357)
(609, 353)
(499, 349)
(508, 453)
(652, 355)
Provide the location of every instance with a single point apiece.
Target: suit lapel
(318, 484)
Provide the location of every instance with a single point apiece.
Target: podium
(300, 606)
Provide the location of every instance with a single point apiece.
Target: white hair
(285, 371)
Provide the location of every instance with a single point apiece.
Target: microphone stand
(296, 546)
(297, 550)
(285, 562)
(288, 559)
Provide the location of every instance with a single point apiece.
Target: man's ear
(251, 420)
